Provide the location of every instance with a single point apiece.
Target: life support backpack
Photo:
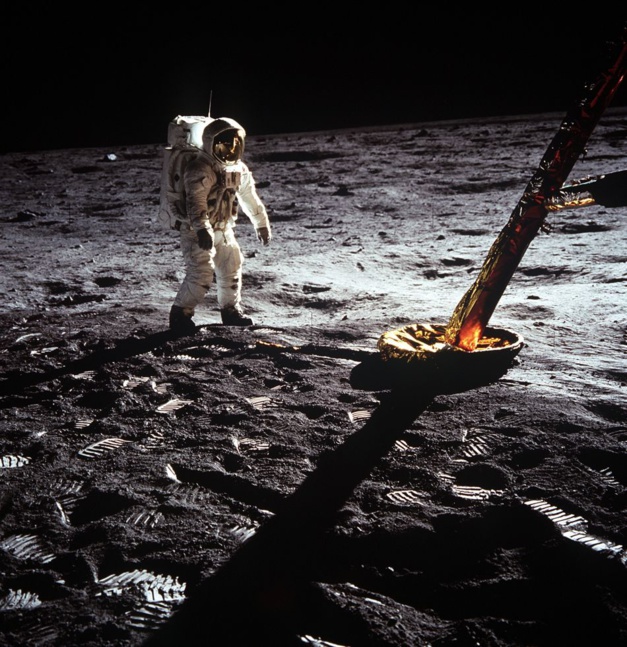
(184, 141)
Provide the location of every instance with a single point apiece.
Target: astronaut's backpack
(184, 141)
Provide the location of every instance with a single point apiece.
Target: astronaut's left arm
(253, 207)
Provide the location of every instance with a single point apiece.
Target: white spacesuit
(216, 183)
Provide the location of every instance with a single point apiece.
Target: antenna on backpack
(210, 97)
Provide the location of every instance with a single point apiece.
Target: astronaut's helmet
(223, 139)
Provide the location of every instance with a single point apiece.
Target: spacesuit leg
(198, 272)
(228, 269)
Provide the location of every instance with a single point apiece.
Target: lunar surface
(268, 485)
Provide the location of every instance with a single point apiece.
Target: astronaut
(216, 182)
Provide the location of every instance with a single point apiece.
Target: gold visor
(228, 151)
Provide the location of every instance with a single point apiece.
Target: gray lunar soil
(240, 486)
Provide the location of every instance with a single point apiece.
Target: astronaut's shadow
(123, 349)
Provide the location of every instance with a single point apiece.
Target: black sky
(109, 76)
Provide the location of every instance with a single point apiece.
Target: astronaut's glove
(264, 235)
(205, 239)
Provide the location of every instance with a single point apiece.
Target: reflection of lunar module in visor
(228, 147)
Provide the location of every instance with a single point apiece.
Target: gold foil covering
(422, 342)
(569, 201)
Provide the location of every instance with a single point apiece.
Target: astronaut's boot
(181, 322)
(233, 316)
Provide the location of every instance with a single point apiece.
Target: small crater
(529, 458)
(312, 411)
(107, 281)
(584, 228)
(98, 505)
